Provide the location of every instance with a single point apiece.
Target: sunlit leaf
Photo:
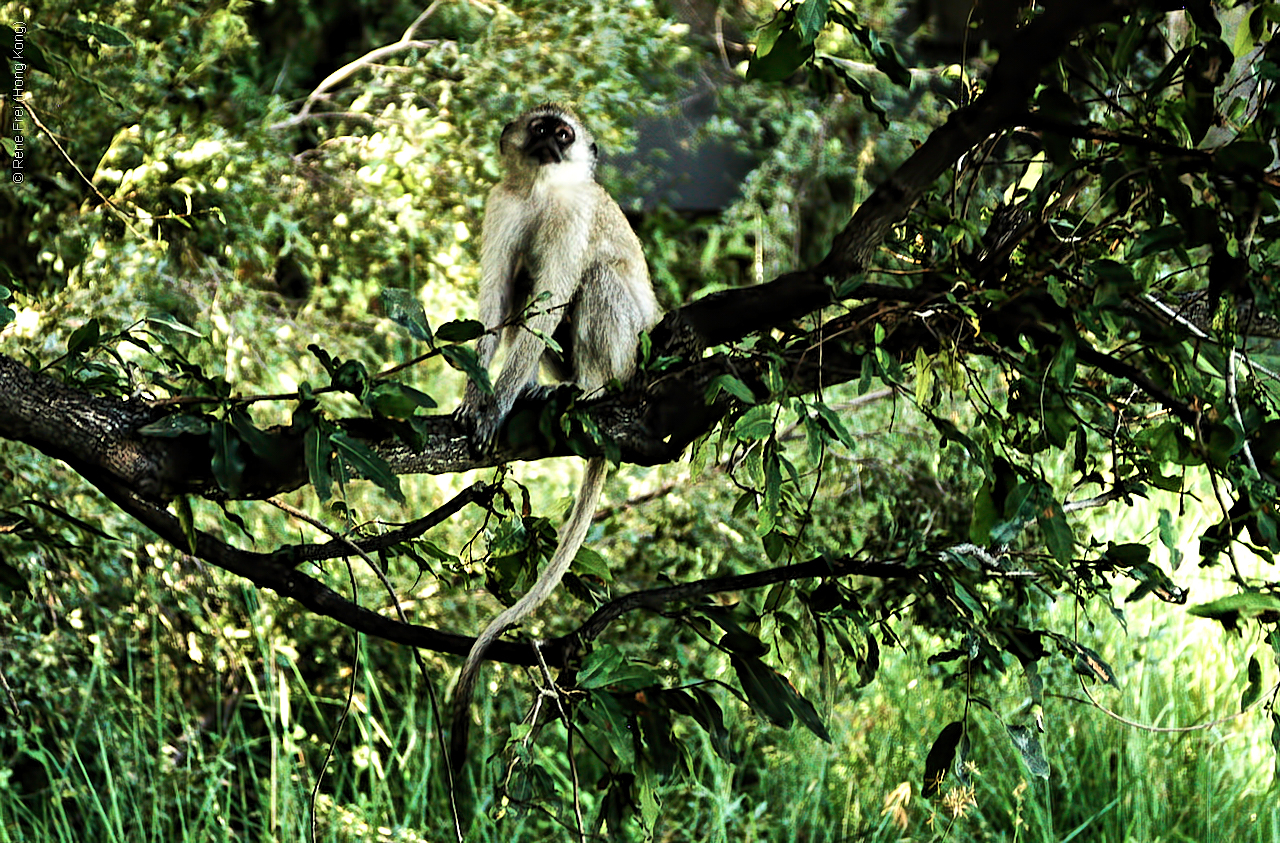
(731, 385)
(1246, 605)
(108, 35)
(404, 308)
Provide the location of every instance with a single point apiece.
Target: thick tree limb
(733, 314)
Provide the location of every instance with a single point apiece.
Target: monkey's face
(547, 136)
(548, 139)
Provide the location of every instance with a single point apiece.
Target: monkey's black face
(549, 139)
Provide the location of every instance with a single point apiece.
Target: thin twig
(552, 691)
(125, 218)
(406, 42)
(1146, 727)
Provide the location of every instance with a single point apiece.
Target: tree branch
(267, 570)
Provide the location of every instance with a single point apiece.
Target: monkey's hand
(476, 414)
(482, 416)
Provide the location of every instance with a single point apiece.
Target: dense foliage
(974, 375)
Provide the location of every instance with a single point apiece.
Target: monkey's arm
(520, 369)
(502, 238)
(557, 260)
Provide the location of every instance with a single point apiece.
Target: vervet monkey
(549, 228)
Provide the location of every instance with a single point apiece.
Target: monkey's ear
(503, 139)
(595, 150)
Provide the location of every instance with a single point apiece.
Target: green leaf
(806, 712)
(735, 638)
(885, 57)
(731, 385)
(811, 17)
(1249, 604)
(986, 514)
(1085, 661)
(1058, 537)
(397, 401)
(1028, 745)
(352, 377)
(1154, 241)
(941, 754)
(772, 696)
(606, 665)
(460, 330)
(463, 358)
(1127, 554)
(12, 582)
(1109, 273)
(262, 444)
(832, 422)
(768, 34)
(653, 717)
(755, 424)
(786, 55)
(589, 563)
(186, 520)
(763, 689)
(108, 35)
(771, 504)
(1253, 689)
(1169, 539)
(967, 599)
(403, 308)
(173, 324)
(869, 663)
(316, 452)
(1202, 13)
(1134, 31)
(923, 367)
(1063, 367)
(775, 544)
(369, 464)
(84, 338)
(171, 427)
(512, 536)
(228, 463)
(950, 433)
(856, 87)
(1152, 580)
(79, 524)
(606, 715)
(1275, 741)
(702, 707)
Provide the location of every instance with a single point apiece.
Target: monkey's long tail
(571, 537)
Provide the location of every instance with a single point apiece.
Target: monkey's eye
(564, 135)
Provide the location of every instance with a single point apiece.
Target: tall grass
(123, 771)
